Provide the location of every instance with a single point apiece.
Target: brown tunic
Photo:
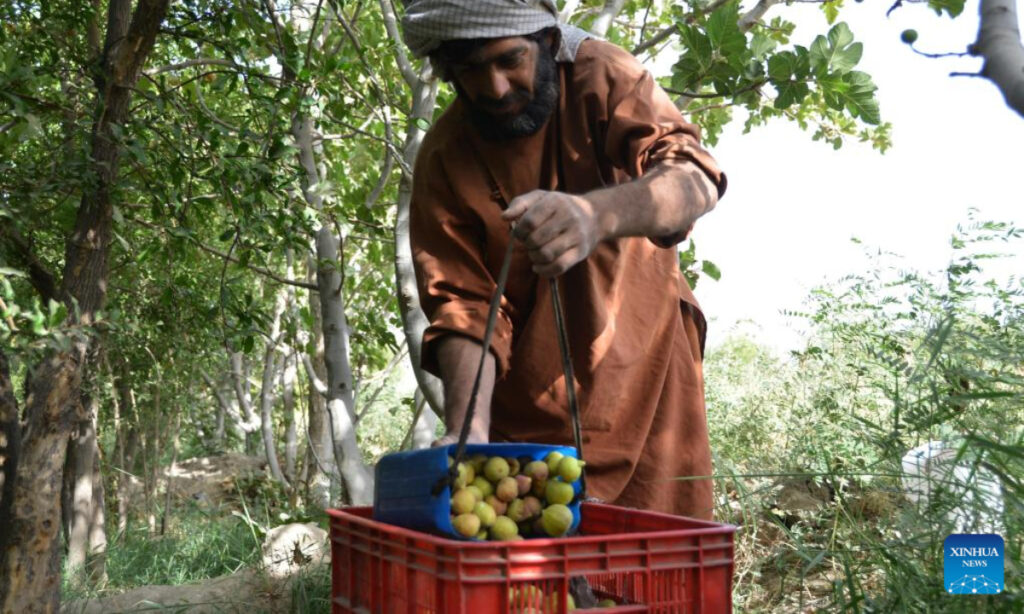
(634, 327)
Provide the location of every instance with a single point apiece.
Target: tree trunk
(272, 366)
(30, 548)
(240, 379)
(340, 401)
(175, 449)
(291, 441)
(321, 453)
(127, 443)
(999, 43)
(10, 438)
(84, 501)
(414, 322)
(424, 429)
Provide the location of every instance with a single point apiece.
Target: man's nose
(497, 84)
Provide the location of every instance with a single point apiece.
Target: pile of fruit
(532, 600)
(500, 498)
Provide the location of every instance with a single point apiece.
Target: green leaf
(710, 269)
(951, 7)
(727, 41)
(860, 98)
(57, 312)
(831, 10)
(781, 66)
(837, 53)
(790, 93)
(761, 45)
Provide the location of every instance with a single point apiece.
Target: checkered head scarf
(428, 23)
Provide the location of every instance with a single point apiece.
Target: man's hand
(557, 229)
(453, 437)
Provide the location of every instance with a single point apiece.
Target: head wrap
(428, 23)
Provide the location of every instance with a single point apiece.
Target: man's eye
(511, 61)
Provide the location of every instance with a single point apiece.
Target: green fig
(559, 492)
(556, 520)
(466, 474)
(552, 460)
(516, 510)
(536, 470)
(477, 461)
(570, 469)
(496, 468)
(503, 529)
(485, 513)
(467, 525)
(463, 501)
(486, 488)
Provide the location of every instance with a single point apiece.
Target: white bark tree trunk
(225, 408)
(87, 539)
(320, 452)
(1000, 45)
(273, 363)
(291, 441)
(340, 400)
(424, 430)
(240, 379)
(424, 97)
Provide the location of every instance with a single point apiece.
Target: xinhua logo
(973, 564)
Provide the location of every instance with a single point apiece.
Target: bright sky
(793, 204)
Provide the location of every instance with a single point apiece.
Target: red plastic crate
(644, 561)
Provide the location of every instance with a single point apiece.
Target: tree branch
(751, 17)
(655, 40)
(229, 258)
(38, 273)
(189, 63)
(314, 381)
(387, 10)
(999, 44)
(604, 19)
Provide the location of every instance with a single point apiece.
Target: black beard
(533, 116)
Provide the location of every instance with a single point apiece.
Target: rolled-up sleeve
(454, 283)
(644, 128)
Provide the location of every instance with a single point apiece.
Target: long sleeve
(454, 283)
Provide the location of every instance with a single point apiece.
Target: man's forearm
(459, 359)
(664, 202)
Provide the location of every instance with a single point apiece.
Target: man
(572, 142)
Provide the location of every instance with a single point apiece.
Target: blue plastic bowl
(405, 481)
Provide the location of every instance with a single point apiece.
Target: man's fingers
(521, 204)
(562, 264)
(553, 250)
(536, 217)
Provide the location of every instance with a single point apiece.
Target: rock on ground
(288, 550)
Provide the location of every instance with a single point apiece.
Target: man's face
(509, 85)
